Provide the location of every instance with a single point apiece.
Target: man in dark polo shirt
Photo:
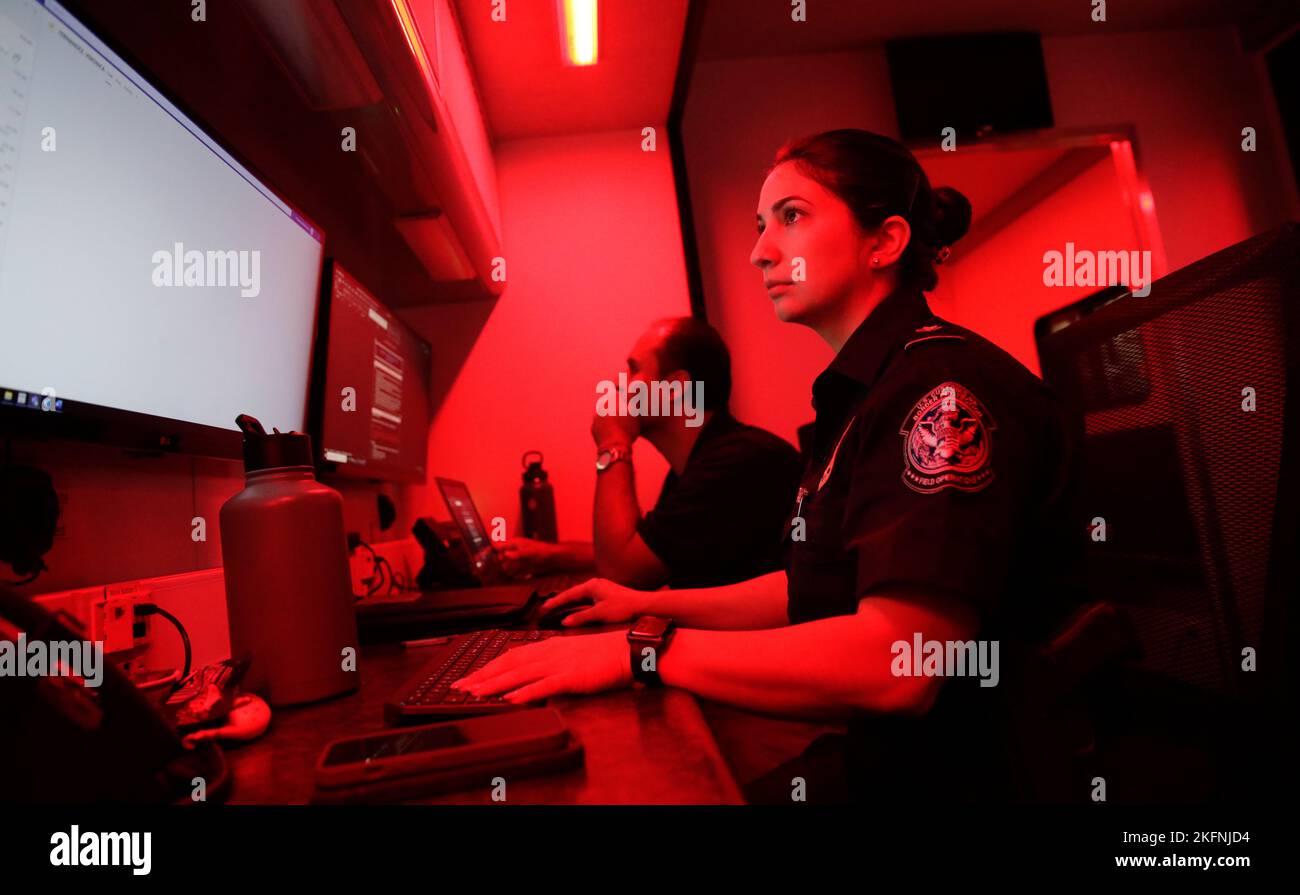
(721, 512)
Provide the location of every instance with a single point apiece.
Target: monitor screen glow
(142, 267)
(374, 413)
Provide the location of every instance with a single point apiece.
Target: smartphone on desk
(439, 757)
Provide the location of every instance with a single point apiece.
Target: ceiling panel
(528, 90)
(743, 28)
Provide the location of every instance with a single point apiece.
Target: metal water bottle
(537, 501)
(288, 589)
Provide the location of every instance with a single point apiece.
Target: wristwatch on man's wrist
(647, 641)
(608, 456)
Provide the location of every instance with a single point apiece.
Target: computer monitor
(1190, 430)
(152, 287)
(374, 403)
(977, 84)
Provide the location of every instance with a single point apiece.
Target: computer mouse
(552, 618)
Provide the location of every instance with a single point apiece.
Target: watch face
(650, 626)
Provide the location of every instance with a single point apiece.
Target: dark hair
(692, 345)
(878, 177)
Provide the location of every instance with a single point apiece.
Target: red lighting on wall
(1138, 196)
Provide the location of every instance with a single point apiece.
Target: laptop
(485, 562)
(485, 565)
(452, 610)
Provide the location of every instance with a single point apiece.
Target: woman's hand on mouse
(589, 664)
(611, 602)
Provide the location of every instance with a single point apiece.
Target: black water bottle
(537, 501)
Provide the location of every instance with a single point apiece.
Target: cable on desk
(381, 571)
(143, 609)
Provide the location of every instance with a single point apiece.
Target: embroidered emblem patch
(947, 442)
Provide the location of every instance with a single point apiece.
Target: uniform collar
(885, 329)
(862, 359)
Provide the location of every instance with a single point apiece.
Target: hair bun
(952, 213)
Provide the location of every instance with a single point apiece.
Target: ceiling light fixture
(578, 31)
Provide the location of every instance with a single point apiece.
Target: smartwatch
(607, 457)
(647, 642)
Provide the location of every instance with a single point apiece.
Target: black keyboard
(429, 693)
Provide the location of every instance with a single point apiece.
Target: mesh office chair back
(1190, 457)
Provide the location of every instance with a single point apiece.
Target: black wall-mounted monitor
(978, 84)
(371, 417)
(152, 287)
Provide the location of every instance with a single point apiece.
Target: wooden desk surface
(642, 746)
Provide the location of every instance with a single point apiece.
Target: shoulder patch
(947, 441)
(939, 331)
(934, 337)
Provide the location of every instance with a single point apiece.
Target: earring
(875, 259)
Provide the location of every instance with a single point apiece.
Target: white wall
(593, 255)
(1189, 94)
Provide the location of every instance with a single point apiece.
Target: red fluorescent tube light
(578, 31)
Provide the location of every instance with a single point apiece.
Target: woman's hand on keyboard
(605, 601)
(588, 664)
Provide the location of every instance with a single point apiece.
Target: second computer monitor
(374, 404)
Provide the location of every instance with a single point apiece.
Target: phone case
(418, 786)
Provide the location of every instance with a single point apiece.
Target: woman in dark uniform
(929, 527)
